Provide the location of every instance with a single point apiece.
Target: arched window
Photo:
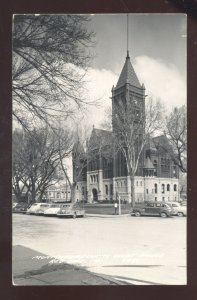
(168, 187)
(155, 188)
(163, 188)
(175, 187)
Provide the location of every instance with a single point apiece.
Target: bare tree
(35, 161)
(77, 152)
(107, 123)
(50, 59)
(132, 127)
(176, 131)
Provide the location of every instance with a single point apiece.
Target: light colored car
(14, 204)
(71, 210)
(52, 210)
(179, 210)
(38, 208)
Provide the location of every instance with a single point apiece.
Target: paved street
(144, 250)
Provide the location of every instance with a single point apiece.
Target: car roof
(156, 202)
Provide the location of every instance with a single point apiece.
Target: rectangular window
(111, 189)
(106, 189)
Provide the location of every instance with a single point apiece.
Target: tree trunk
(73, 192)
(33, 192)
(132, 178)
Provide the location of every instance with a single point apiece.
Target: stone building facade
(106, 173)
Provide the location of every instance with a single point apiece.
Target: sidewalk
(30, 267)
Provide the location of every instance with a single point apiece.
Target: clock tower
(128, 94)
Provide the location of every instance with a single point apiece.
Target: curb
(107, 216)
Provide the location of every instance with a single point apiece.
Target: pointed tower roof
(148, 164)
(128, 75)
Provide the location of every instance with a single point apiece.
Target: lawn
(106, 209)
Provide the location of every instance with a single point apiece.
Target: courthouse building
(106, 175)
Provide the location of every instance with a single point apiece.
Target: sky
(157, 47)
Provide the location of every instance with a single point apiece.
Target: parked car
(183, 203)
(52, 210)
(71, 210)
(153, 209)
(38, 208)
(179, 210)
(20, 208)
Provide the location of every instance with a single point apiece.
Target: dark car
(20, 208)
(153, 209)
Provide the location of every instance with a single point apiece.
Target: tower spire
(127, 35)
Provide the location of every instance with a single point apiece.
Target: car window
(175, 205)
(158, 204)
(44, 205)
(150, 205)
(54, 205)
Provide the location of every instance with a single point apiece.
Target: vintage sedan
(38, 208)
(52, 210)
(179, 210)
(73, 210)
(20, 208)
(161, 209)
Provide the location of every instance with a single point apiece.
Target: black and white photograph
(99, 149)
